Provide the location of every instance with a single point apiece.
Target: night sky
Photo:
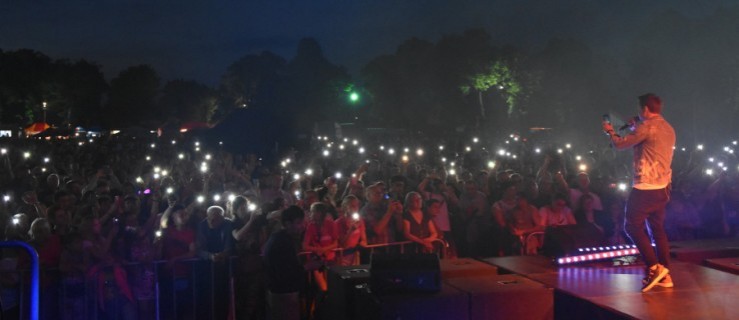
(198, 39)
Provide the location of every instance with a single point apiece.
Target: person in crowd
(382, 216)
(250, 234)
(49, 248)
(177, 244)
(474, 209)
(351, 231)
(583, 188)
(417, 225)
(321, 238)
(557, 213)
(586, 214)
(285, 272)
(523, 220)
(502, 243)
(214, 242)
(433, 187)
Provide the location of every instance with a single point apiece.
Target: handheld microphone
(629, 123)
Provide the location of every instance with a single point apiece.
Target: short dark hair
(291, 214)
(652, 102)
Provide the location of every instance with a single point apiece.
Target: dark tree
(187, 101)
(251, 82)
(132, 98)
(24, 77)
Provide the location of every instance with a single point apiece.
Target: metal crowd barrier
(112, 288)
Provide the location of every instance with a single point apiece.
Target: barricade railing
(33, 299)
(178, 290)
(442, 246)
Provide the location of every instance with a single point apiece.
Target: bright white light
(148, 158)
(170, 190)
(251, 207)
(338, 175)
(326, 153)
(559, 150)
(382, 147)
(309, 172)
(622, 186)
(207, 156)
(341, 147)
(568, 146)
(164, 173)
(491, 164)
(404, 158)
(443, 159)
(391, 151)
(441, 147)
(709, 172)
(197, 149)
(174, 142)
(733, 142)
(346, 139)
(156, 176)
(3, 151)
(153, 145)
(355, 142)
(468, 149)
(181, 156)
(26, 155)
(452, 163)
(700, 147)
(501, 152)
(720, 164)
(405, 150)
(231, 197)
(419, 152)
(537, 150)
(157, 169)
(203, 169)
(361, 150)
(710, 159)
(578, 158)
(197, 144)
(201, 199)
(583, 167)
(139, 180)
(475, 140)
(682, 149)
(217, 197)
(452, 171)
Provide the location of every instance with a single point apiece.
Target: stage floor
(610, 292)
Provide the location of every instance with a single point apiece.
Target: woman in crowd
(321, 239)
(351, 231)
(417, 225)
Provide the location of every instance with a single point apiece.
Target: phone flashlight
(16, 220)
(158, 233)
(355, 216)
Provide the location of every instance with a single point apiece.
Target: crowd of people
(135, 222)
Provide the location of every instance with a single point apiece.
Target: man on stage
(653, 141)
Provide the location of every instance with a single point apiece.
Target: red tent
(36, 128)
(193, 125)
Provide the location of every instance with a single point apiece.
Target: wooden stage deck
(603, 291)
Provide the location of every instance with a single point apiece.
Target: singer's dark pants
(648, 206)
